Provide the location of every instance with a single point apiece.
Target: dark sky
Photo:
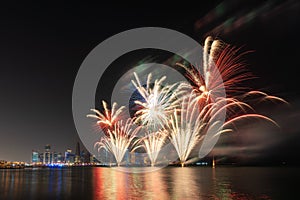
(43, 46)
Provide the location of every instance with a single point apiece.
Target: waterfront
(168, 183)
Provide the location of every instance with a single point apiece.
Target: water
(168, 183)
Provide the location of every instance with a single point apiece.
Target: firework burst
(185, 129)
(120, 139)
(219, 81)
(218, 98)
(153, 143)
(108, 118)
(222, 70)
(159, 101)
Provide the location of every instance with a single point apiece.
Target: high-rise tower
(77, 153)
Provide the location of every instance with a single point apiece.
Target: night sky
(43, 46)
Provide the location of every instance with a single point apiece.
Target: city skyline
(50, 156)
(42, 148)
(43, 48)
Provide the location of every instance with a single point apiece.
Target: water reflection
(180, 188)
(114, 184)
(168, 183)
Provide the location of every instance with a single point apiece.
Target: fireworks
(152, 143)
(108, 118)
(160, 101)
(222, 70)
(119, 140)
(188, 114)
(185, 132)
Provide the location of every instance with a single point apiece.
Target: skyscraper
(47, 148)
(54, 157)
(47, 155)
(60, 158)
(69, 157)
(77, 153)
(35, 156)
(77, 149)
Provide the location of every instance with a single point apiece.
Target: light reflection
(156, 185)
(114, 184)
(168, 183)
(182, 190)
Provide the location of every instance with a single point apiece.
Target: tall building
(86, 157)
(47, 155)
(77, 149)
(69, 157)
(77, 153)
(55, 157)
(47, 148)
(60, 158)
(41, 157)
(35, 156)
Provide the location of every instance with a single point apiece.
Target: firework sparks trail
(120, 139)
(185, 130)
(258, 97)
(222, 70)
(197, 120)
(220, 97)
(152, 143)
(108, 118)
(160, 101)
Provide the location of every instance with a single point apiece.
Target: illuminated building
(60, 158)
(41, 157)
(69, 157)
(77, 153)
(47, 155)
(55, 157)
(35, 156)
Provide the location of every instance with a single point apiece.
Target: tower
(77, 153)
(47, 155)
(77, 149)
(35, 156)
